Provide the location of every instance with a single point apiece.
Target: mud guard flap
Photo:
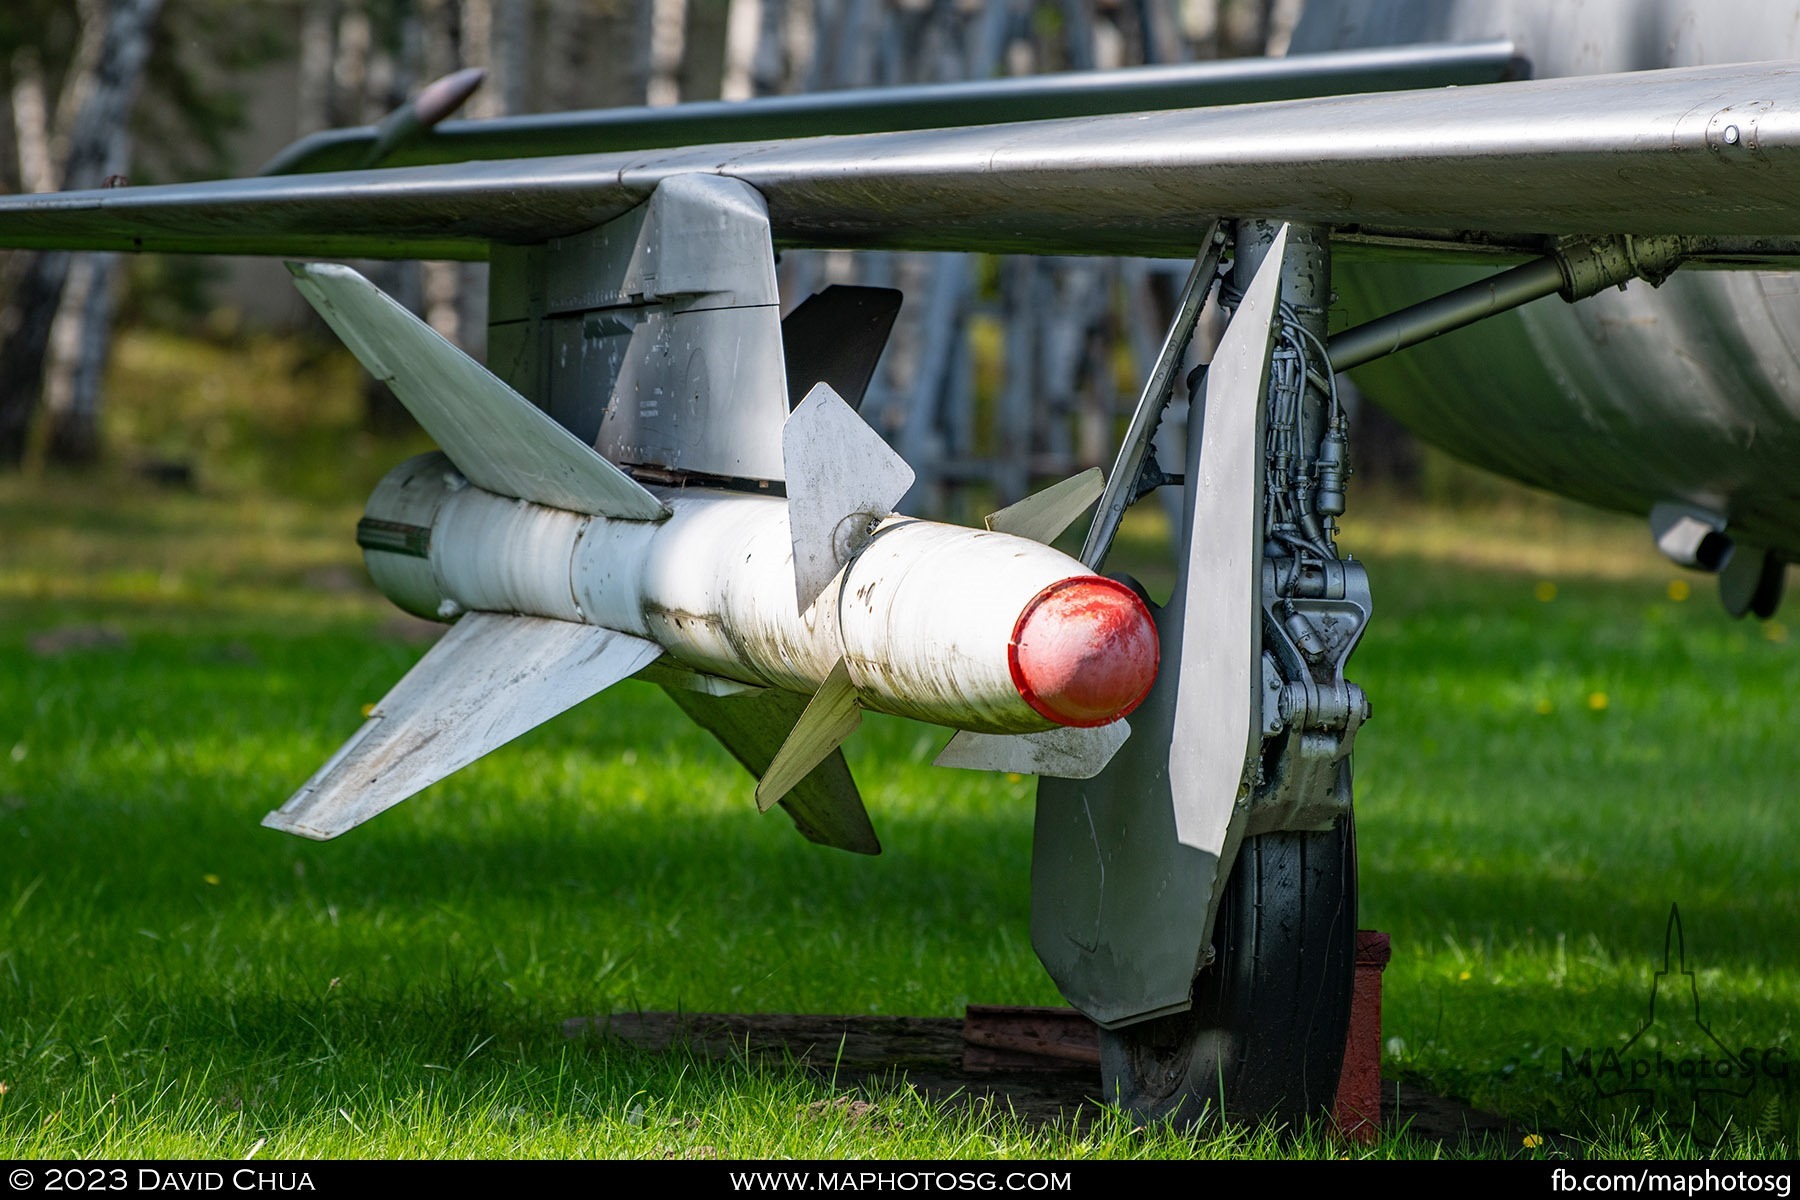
(1127, 867)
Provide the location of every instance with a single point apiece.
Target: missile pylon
(774, 621)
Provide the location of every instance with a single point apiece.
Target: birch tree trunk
(563, 60)
(743, 38)
(102, 99)
(494, 34)
(665, 39)
(441, 21)
(81, 335)
(318, 46)
(81, 347)
(31, 122)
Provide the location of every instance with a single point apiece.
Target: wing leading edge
(914, 106)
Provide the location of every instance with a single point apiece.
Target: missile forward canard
(661, 511)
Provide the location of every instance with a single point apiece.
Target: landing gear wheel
(1265, 1037)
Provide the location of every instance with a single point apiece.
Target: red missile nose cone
(1084, 651)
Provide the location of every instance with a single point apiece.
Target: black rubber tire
(1265, 1036)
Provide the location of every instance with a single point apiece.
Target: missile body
(772, 621)
(973, 629)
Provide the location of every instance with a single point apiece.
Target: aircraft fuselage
(1685, 393)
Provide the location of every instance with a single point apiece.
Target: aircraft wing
(1706, 151)
(409, 142)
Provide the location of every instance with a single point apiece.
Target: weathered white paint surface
(1065, 753)
(922, 615)
(496, 437)
(842, 480)
(490, 679)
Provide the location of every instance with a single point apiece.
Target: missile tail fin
(1042, 516)
(1064, 753)
(836, 337)
(495, 436)
(842, 479)
(488, 680)
(831, 716)
(824, 805)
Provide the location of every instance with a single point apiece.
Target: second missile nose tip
(1084, 652)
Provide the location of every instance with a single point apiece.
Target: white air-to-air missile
(772, 620)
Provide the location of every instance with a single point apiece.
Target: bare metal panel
(1688, 393)
(1704, 150)
(700, 242)
(656, 337)
(1064, 753)
(696, 391)
(1217, 705)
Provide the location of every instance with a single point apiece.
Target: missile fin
(488, 680)
(495, 436)
(1065, 753)
(1042, 516)
(825, 805)
(842, 479)
(666, 675)
(831, 716)
(836, 336)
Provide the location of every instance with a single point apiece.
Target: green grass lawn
(1564, 747)
(1564, 744)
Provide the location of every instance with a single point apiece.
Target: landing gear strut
(1197, 899)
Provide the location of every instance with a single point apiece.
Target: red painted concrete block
(1357, 1112)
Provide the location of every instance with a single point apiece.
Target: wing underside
(1704, 151)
